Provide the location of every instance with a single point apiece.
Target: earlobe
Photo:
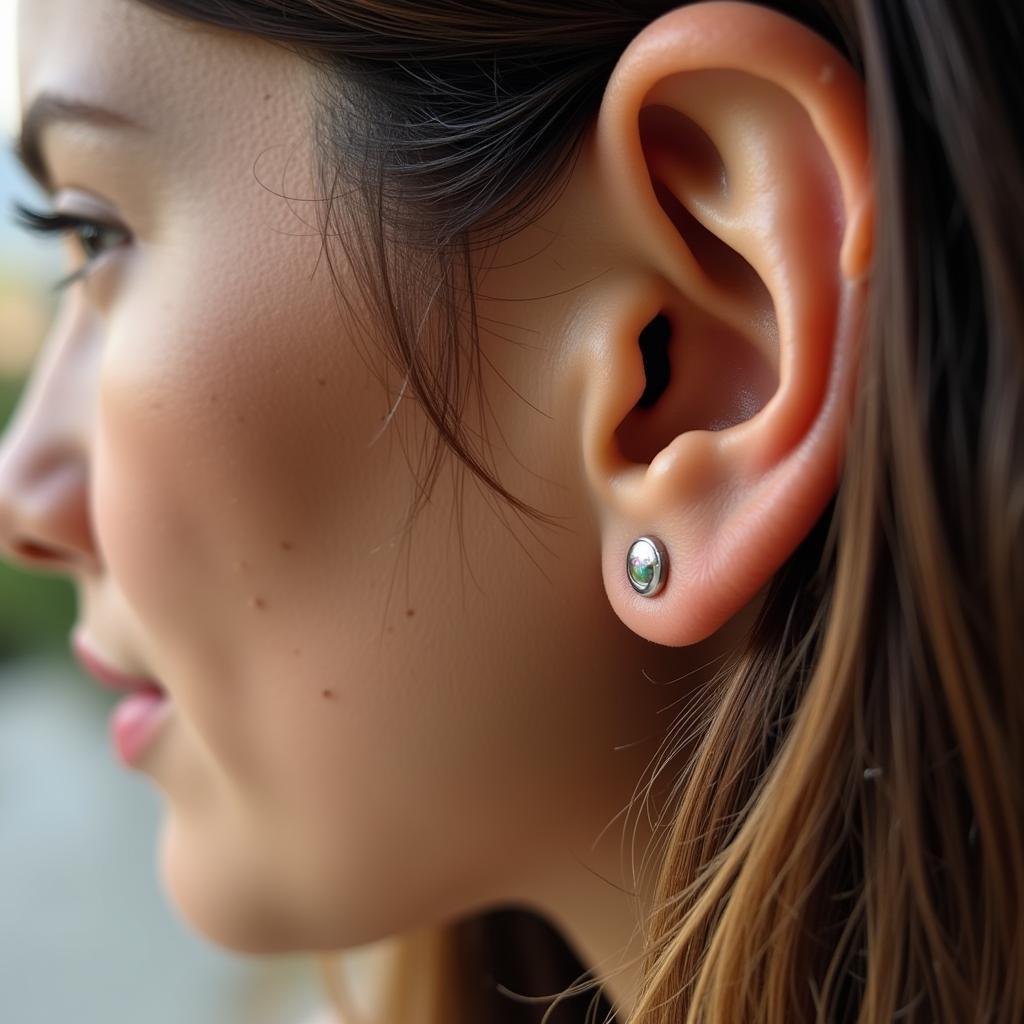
(731, 151)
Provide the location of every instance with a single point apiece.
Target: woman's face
(367, 731)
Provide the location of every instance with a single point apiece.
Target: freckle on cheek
(258, 603)
(286, 545)
(410, 612)
(328, 694)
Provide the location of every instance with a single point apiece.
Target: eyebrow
(49, 108)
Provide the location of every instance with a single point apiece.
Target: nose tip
(44, 516)
(45, 454)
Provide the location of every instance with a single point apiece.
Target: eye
(95, 237)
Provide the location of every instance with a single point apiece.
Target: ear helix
(647, 565)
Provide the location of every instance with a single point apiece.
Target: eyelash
(67, 224)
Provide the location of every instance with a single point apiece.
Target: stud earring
(647, 565)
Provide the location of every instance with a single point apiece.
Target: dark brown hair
(847, 844)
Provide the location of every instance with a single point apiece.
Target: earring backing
(647, 565)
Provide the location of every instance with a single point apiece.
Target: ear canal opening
(654, 339)
(699, 374)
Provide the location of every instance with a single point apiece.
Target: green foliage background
(36, 612)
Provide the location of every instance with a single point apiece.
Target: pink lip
(103, 673)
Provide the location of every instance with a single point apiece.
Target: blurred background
(86, 934)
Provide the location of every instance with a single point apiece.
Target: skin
(373, 730)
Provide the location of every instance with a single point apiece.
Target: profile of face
(368, 728)
(371, 728)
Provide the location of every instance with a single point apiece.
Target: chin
(221, 900)
(239, 906)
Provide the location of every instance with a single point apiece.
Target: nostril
(33, 552)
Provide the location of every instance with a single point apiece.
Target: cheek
(230, 400)
(251, 524)
(231, 431)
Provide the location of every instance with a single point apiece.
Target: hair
(847, 842)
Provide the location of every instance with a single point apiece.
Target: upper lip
(107, 675)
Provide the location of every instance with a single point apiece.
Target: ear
(732, 163)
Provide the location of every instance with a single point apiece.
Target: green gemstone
(644, 566)
(642, 570)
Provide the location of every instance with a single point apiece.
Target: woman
(554, 472)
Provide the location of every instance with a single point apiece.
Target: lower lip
(135, 723)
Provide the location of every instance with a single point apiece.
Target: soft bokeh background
(86, 934)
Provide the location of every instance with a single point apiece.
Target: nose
(45, 522)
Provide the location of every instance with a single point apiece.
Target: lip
(106, 675)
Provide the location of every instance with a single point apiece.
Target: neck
(591, 896)
(599, 890)
(602, 925)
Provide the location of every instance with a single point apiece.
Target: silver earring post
(647, 565)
